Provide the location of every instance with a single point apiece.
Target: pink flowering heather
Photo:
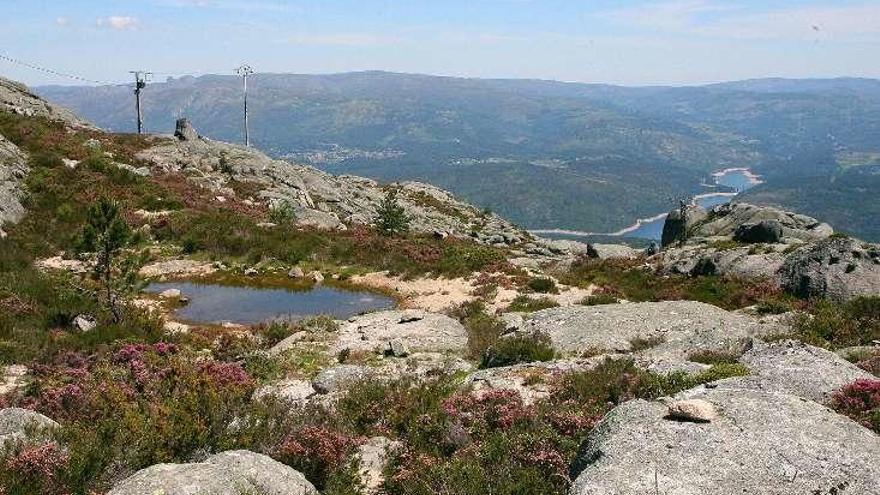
(315, 451)
(36, 466)
(225, 374)
(492, 409)
(860, 401)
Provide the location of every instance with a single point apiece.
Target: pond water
(210, 303)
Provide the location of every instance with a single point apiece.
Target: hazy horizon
(630, 43)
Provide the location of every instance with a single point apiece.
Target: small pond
(211, 303)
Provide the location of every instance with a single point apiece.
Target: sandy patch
(437, 295)
(177, 268)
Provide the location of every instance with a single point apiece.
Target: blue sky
(623, 42)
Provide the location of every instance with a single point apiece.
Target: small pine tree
(107, 235)
(282, 213)
(225, 166)
(392, 216)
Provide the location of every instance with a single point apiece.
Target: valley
(544, 154)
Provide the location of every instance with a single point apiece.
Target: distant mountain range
(545, 154)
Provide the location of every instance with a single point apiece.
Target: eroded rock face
(237, 472)
(419, 331)
(761, 443)
(677, 328)
(13, 169)
(838, 268)
(323, 200)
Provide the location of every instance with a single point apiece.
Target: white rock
(696, 410)
(85, 323)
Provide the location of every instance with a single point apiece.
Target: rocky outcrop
(679, 222)
(798, 369)
(323, 200)
(13, 169)
(761, 443)
(184, 131)
(741, 262)
(419, 331)
(750, 223)
(18, 424)
(238, 472)
(839, 268)
(675, 328)
(17, 98)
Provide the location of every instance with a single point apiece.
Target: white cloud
(118, 22)
(62, 21)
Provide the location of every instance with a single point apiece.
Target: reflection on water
(246, 305)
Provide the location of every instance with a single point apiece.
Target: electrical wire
(53, 72)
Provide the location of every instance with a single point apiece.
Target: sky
(630, 42)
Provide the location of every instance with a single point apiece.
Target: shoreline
(746, 172)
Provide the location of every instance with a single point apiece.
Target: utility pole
(244, 71)
(140, 82)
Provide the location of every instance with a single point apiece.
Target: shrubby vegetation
(835, 325)
(631, 280)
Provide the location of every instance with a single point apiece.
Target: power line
(53, 72)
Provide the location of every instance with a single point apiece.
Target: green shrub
(483, 329)
(714, 357)
(526, 304)
(640, 344)
(598, 299)
(543, 285)
(518, 349)
(282, 212)
(835, 325)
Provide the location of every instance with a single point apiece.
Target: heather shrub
(139, 405)
(316, 451)
(860, 401)
(37, 469)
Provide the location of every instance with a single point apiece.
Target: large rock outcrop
(13, 169)
(323, 200)
(742, 222)
(677, 328)
(839, 268)
(18, 99)
(761, 443)
(238, 472)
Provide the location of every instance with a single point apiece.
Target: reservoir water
(210, 303)
(737, 179)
